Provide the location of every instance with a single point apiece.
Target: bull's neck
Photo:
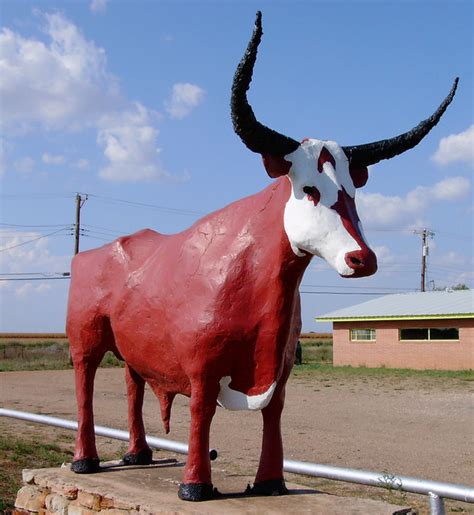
(259, 219)
(292, 266)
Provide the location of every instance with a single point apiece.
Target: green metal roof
(408, 306)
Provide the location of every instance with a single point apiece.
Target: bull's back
(98, 276)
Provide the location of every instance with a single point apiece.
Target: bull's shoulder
(137, 247)
(130, 250)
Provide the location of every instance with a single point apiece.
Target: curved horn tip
(455, 85)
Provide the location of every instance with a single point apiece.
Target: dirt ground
(422, 427)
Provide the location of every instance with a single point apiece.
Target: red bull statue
(213, 312)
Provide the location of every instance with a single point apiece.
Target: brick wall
(388, 351)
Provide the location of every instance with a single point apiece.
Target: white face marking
(318, 229)
(234, 400)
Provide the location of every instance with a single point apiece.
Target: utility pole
(424, 233)
(77, 227)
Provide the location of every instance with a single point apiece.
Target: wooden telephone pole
(424, 233)
(77, 227)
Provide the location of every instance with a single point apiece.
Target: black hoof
(269, 487)
(86, 466)
(195, 492)
(143, 457)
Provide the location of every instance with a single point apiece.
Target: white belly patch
(234, 400)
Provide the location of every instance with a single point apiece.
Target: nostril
(362, 262)
(356, 262)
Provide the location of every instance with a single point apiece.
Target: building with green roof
(424, 330)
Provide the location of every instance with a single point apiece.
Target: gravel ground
(419, 427)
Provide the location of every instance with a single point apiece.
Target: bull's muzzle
(363, 262)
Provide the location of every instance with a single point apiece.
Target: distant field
(38, 351)
(31, 338)
(316, 336)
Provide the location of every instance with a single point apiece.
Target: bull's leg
(86, 460)
(138, 451)
(269, 479)
(197, 483)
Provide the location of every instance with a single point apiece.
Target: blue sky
(130, 101)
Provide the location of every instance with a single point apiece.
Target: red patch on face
(363, 262)
(276, 166)
(346, 209)
(359, 176)
(313, 194)
(324, 157)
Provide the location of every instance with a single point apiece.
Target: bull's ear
(276, 166)
(359, 175)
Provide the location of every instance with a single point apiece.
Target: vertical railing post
(436, 504)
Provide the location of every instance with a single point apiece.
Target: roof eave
(395, 317)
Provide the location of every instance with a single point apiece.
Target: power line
(33, 225)
(35, 196)
(143, 204)
(85, 232)
(34, 278)
(44, 274)
(96, 238)
(105, 229)
(31, 241)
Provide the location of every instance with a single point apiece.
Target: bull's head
(320, 216)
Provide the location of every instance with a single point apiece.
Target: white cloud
(451, 188)
(82, 164)
(456, 147)
(28, 257)
(184, 98)
(129, 142)
(60, 83)
(377, 210)
(51, 159)
(30, 288)
(24, 164)
(35, 306)
(98, 6)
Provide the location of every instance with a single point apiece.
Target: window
(445, 333)
(362, 335)
(429, 334)
(414, 334)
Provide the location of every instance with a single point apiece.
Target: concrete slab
(153, 489)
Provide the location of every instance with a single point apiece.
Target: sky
(127, 103)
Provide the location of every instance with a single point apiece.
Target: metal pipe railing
(117, 434)
(436, 491)
(388, 481)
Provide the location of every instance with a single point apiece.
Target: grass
(316, 351)
(309, 369)
(317, 359)
(17, 454)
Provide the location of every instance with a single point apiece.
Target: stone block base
(148, 489)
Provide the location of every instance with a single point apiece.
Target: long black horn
(256, 136)
(371, 153)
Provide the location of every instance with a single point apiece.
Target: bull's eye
(312, 194)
